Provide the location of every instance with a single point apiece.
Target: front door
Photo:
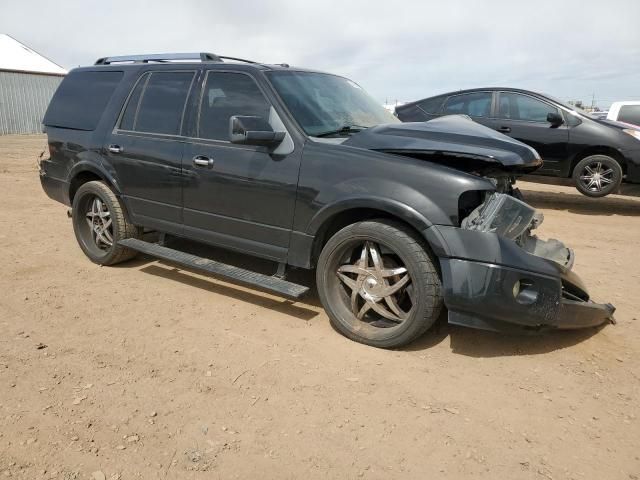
(238, 196)
(525, 118)
(146, 147)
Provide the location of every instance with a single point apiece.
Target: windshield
(323, 103)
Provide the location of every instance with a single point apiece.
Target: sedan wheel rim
(596, 177)
(378, 286)
(98, 218)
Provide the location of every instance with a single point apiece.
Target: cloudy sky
(396, 50)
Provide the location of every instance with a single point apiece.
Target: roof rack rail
(236, 59)
(161, 57)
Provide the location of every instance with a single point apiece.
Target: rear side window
(81, 98)
(477, 104)
(157, 103)
(227, 94)
(629, 114)
(431, 105)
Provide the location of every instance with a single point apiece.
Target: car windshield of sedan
(328, 105)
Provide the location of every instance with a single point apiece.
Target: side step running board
(235, 274)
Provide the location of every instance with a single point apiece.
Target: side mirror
(555, 119)
(249, 130)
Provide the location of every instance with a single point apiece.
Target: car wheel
(597, 175)
(378, 284)
(99, 223)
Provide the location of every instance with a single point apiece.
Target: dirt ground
(147, 371)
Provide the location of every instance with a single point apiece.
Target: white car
(626, 112)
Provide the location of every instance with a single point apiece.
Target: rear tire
(597, 175)
(99, 223)
(397, 289)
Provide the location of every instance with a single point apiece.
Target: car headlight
(632, 132)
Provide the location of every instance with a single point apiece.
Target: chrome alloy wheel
(595, 176)
(98, 217)
(380, 286)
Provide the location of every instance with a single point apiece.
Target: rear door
(524, 118)
(238, 196)
(146, 146)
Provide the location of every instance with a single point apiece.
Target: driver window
(224, 95)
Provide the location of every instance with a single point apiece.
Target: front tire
(597, 175)
(378, 284)
(99, 223)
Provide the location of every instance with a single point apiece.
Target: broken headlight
(503, 214)
(511, 218)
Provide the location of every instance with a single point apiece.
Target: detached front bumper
(490, 282)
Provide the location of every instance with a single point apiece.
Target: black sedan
(597, 154)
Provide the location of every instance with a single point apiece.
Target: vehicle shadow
(485, 344)
(463, 341)
(302, 309)
(626, 189)
(280, 305)
(576, 203)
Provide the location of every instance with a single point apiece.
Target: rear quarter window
(81, 98)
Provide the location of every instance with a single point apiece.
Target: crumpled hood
(456, 135)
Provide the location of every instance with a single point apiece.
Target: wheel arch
(84, 172)
(88, 172)
(598, 150)
(333, 218)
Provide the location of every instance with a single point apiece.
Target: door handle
(202, 161)
(115, 149)
(504, 129)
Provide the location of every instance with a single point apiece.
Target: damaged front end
(457, 142)
(498, 275)
(513, 219)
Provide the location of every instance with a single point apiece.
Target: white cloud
(396, 50)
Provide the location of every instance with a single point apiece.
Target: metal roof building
(27, 82)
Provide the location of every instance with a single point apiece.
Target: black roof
(480, 89)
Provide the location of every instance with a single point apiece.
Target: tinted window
(225, 95)
(160, 104)
(81, 98)
(431, 105)
(521, 107)
(630, 114)
(129, 117)
(474, 104)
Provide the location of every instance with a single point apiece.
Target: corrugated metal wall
(23, 100)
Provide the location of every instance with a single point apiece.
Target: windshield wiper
(346, 129)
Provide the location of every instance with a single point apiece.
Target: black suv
(305, 169)
(596, 153)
